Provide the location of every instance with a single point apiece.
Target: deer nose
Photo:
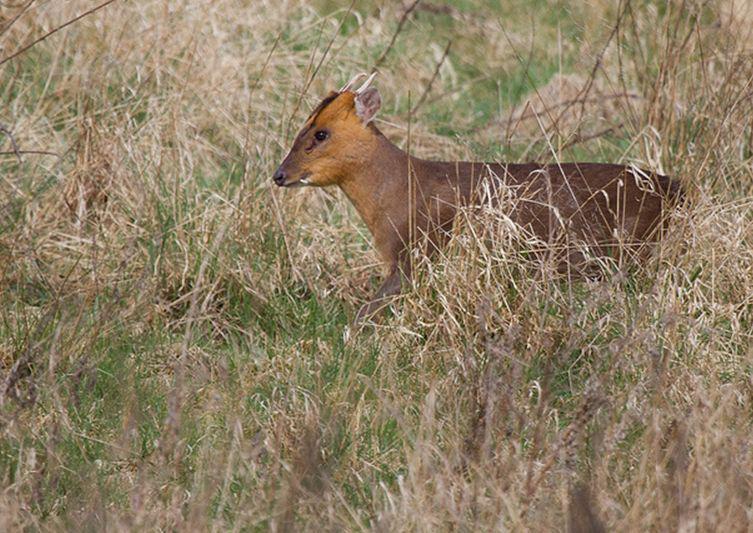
(279, 177)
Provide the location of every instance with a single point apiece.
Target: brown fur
(401, 198)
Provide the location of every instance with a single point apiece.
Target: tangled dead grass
(172, 328)
(561, 105)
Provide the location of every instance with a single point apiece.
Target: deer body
(405, 200)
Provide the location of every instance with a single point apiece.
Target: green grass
(186, 346)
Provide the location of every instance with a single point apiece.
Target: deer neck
(378, 185)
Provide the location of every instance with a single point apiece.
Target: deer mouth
(303, 181)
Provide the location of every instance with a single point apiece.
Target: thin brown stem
(398, 30)
(55, 30)
(434, 76)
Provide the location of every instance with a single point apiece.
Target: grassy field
(174, 331)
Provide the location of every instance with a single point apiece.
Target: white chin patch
(304, 181)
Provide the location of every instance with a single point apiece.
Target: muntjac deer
(405, 200)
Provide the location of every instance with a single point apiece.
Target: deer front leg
(391, 287)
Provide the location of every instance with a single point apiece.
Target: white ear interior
(367, 104)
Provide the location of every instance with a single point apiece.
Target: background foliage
(174, 331)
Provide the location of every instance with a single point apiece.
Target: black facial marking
(324, 103)
(316, 112)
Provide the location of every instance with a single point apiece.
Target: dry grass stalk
(172, 343)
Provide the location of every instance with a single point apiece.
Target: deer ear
(368, 103)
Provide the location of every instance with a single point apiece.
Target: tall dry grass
(173, 330)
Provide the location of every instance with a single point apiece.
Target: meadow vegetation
(175, 337)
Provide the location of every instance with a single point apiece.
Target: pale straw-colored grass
(173, 330)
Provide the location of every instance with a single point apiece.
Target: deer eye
(321, 135)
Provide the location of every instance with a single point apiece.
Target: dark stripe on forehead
(324, 103)
(316, 112)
